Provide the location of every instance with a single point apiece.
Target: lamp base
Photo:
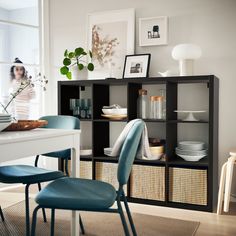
(186, 67)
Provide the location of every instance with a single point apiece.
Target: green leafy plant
(76, 58)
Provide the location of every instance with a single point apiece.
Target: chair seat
(77, 194)
(27, 174)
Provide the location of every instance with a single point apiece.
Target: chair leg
(122, 216)
(228, 182)
(129, 216)
(43, 210)
(27, 213)
(221, 189)
(34, 220)
(1, 214)
(81, 225)
(52, 222)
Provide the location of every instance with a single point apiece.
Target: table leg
(228, 181)
(75, 159)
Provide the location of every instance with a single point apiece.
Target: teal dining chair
(29, 175)
(93, 195)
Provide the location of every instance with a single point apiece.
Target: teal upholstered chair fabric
(32, 174)
(92, 195)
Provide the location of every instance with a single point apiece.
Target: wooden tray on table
(22, 125)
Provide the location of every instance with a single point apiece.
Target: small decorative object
(165, 73)
(191, 150)
(142, 104)
(22, 125)
(186, 54)
(136, 66)
(76, 61)
(153, 31)
(40, 80)
(190, 115)
(111, 37)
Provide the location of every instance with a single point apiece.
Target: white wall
(208, 23)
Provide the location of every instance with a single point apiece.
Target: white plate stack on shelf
(5, 121)
(107, 151)
(191, 150)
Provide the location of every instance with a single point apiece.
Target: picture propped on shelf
(110, 37)
(136, 66)
(153, 31)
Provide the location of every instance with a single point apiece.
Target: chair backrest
(61, 122)
(129, 151)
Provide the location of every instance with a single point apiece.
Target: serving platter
(22, 125)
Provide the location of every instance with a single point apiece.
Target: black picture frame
(147, 66)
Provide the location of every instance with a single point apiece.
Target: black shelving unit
(100, 96)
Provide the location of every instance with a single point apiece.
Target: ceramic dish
(191, 158)
(191, 145)
(114, 117)
(107, 151)
(189, 114)
(22, 125)
(86, 152)
(116, 111)
(190, 152)
(4, 125)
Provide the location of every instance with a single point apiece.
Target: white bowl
(4, 125)
(191, 145)
(191, 158)
(118, 111)
(86, 152)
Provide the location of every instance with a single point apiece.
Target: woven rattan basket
(85, 169)
(107, 172)
(148, 182)
(188, 186)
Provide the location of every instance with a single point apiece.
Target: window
(20, 38)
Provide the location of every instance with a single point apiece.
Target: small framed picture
(136, 66)
(153, 31)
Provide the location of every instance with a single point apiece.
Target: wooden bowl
(22, 125)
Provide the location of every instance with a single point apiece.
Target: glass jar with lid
(156, 107)
(142, 104)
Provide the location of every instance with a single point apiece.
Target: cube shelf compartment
(172, 182)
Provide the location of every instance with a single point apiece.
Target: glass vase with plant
(78, 59)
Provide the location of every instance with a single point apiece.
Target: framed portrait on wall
(110, 37)
(136, 66)
(153, 31)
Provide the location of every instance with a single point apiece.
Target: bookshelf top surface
(149, 80)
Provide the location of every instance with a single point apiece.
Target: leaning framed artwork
(153, 31)
(136, 66)
(110, 37)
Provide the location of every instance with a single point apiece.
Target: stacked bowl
(5, 121)
(191, 150)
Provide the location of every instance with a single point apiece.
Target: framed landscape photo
(110, 37)
(153, 31)
(136, 66)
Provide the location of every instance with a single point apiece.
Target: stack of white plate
(191, 150)
(107, 151)
(5, 121)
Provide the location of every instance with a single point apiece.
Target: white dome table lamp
(185, 54)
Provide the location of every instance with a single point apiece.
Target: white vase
(79, 74)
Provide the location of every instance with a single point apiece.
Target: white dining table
(16, 145)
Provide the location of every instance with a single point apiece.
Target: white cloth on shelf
(143, 150)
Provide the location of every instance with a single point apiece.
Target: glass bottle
(142, 104)
(156, 107)
(162, 93)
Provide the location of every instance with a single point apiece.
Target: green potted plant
(77, 63)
